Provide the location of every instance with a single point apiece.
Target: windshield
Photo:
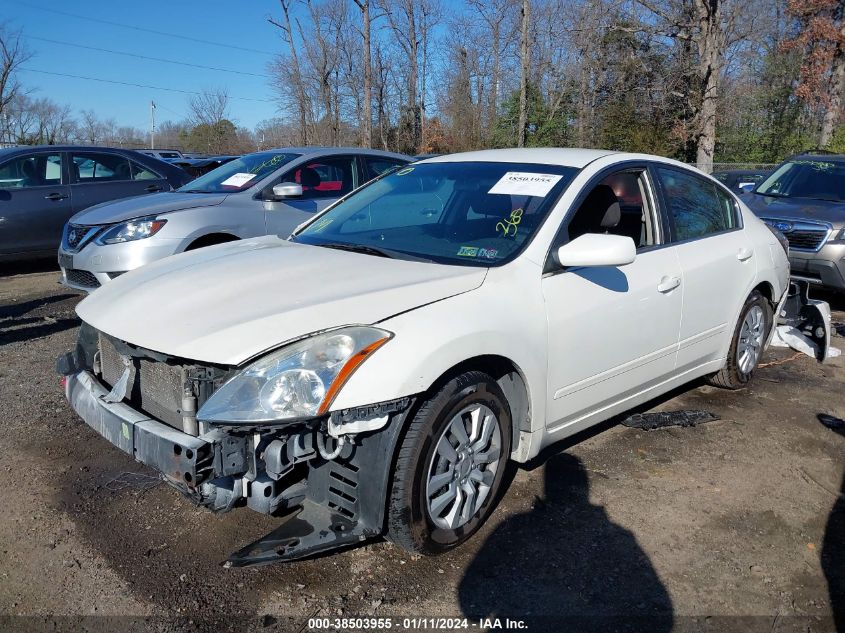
(817, 179)
(239, 174)
(463, 213)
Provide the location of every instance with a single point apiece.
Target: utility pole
(152, 124)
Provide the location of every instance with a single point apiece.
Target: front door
(34, 204)
(613, 331)
(323, 180)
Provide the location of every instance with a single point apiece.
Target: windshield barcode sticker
(521, 183)
(237, 180)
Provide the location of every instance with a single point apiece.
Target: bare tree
(296, 79)
(495, 14)
(525, 60)
(411, 22)
(22, 120)
(91, 130)
(13, 53)
(321, 44)
(209, 107)
(54, 121)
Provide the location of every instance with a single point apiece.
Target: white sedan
(374, 373)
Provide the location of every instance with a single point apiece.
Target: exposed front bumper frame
(183, 459)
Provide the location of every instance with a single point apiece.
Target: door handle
(744, 254)
(154, 188)
(55, 196)
(667, 284)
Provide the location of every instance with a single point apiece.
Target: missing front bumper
(328, 503)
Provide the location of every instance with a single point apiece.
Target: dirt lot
(727, 525)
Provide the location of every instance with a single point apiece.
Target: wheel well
(210, 240)
(510, 379)
(765, 289)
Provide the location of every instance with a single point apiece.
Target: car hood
(138, 206)
(796, 208)
(225, 304)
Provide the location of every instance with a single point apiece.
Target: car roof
(741, 172)
(821, 157)
(566, 157)
(22, 149)
(324, 150)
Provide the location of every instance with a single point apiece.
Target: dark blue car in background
(41, 187)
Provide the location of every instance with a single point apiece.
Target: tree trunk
(711, 52)
(497, 71)
(413, 75)
(523, 80)
(367, 127)
(833, 111)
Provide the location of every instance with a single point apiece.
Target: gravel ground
(733, 524)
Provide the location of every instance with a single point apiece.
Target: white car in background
(374, 373)
(265, 193)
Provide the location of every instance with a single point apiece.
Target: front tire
(755, 323)
(450, 465)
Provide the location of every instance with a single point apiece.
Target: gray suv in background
(42, 186)
(264, 193)
(804, 198)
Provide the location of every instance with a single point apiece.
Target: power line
(164, 107)
(127, 83)
(155, 59)
(139, 28)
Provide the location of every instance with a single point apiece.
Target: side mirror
(746, 187)
(287, 190)
(594, 249)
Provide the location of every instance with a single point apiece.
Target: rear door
(100, 176)
(717, 262)
(324, 180)
(35, 202)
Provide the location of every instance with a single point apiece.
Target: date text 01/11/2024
(414, 624)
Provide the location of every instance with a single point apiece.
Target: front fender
(431, 340)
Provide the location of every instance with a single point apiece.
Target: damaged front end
(325, 476)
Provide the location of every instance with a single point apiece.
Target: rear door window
(377, 165)
(139, 172)
(696, 206)
(100, 167)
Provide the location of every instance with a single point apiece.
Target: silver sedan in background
(264, 193)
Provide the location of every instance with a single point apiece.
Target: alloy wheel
(463, 466)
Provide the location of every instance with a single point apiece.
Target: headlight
(838, 236)
(132, 230)
(297, 381)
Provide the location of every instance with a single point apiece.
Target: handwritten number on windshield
(510, 224)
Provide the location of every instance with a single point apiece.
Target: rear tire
(450, 465)
(750, 334)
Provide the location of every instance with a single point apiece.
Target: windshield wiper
(357, 248)
(194, 191)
